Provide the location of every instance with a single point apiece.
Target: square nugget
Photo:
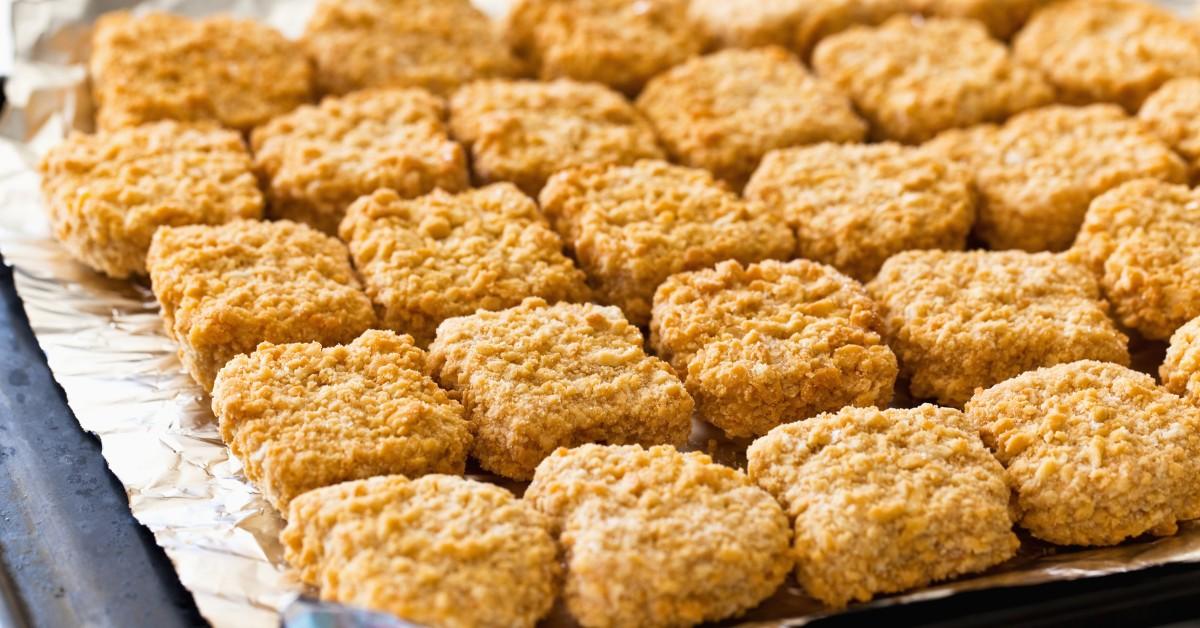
(166, 67)
(959, 320)
(319, 159)
(445, 255)
(537, 377)
(225, 289)
(709, 111)
(1171, 113)
(525, 131)
(903, 79)
(631, 227)
(107, 193)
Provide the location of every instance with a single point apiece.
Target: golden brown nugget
(1108, 50)
(965, 320)
(301, 416)
(1003, 18)
(525, 131)
(615, 42)
(855, 205)
(166, 67)
(655, 537)
(709, 112)
(437, 551)
(319, 159)
(106, 194)
(794, 24)
(886, 500)
(225, 289)
(904, 81)
(536, 377)
(1180, 370)
(1171, 113)
(631, 227)
(445, 255)
(1036, 174)
(1097, 452)
(772, 343)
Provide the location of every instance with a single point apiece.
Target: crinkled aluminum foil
(104, 342)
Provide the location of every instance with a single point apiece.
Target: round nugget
(886, 500)
(1108, 50)
(709, 111)
(436, 551)
(855, 205)
(1097, 452)
(1180, 370)
(1171, 114)
(655, 537)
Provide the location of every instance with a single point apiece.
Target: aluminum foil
(104, 342)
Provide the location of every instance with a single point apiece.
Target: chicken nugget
(1180, 370)
(1171, 113)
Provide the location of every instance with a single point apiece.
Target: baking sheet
(103, 341)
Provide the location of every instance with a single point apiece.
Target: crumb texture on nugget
(358, 44)
(106, 193)
(536, 377)
(224, 289)
(1097, 453)
(853, 206)
(965, 320)
(444, 255)
(320, 158)
(301, 416)
(655, 537)
(437, 551)
(1171, 113)
(886, 500)
(631, 227)
(1180, 371)
(905, 82)
(1037, 173)
(167, 67)
(772, 343)
(710, 112)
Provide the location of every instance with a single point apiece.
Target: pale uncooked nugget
(1180, 370)
(1171, 113)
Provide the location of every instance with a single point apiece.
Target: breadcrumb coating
(615, 42)
(1097, 452)
(537, 377)
(655, 537)
(1180, 371)
(886, 500)
(319, 159)
(224, 289)
(709, 111)
(1171, 113)
(906, 84)
(525, 131)
(772, 343)
(158, 66)
(438, 46)
(106, 194)
(965, 320)
(1116, 51)
(301, 416)
(1036, 174)
(437, 551)
(631, 227)
(445, 255)
(855, 205)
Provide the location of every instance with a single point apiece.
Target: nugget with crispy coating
(1171, 113)
(886, 500)
(965, 320)
(1003, 18)
(655, 537)
(1180, 370)
(437, 551)
(795, 24)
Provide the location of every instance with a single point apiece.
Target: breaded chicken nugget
(1180, 371)
(302, 416)
(437, 551)
(1003, 18)
(795, 24)
(855, 205)
(106, 194)
(655, 537)
(1097, 452)
(1171, 113)
(886, 500)
(709, 111)
(319, 159)
(965, 320)
(631, 227)
(536, 377)
(771, 343)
